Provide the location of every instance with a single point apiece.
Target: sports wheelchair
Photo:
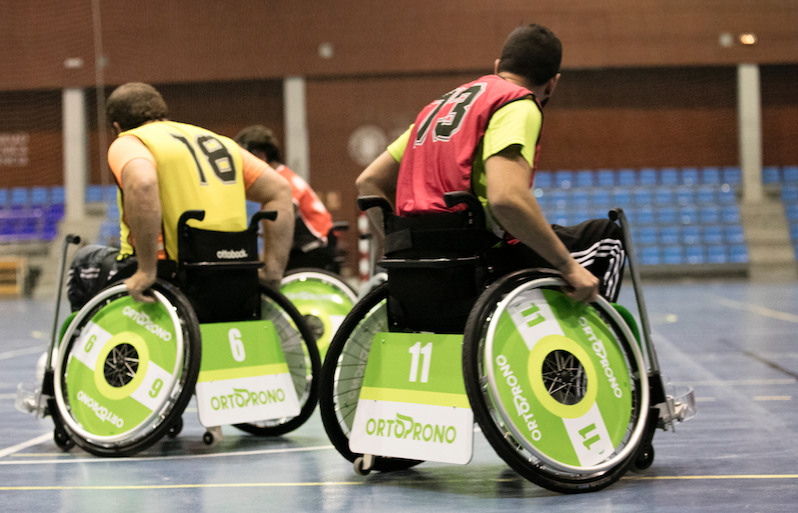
(122, 373)
(318, 291)
(568, 394)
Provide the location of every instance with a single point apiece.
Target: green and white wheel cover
(591, 431)
(319, 296)
(111, 413)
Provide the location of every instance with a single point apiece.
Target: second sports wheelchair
(121, 373)
(568, 394)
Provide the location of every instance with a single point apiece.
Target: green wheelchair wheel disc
(560, 378)
(121, 366)
(322, 303)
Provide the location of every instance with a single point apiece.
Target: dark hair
(533, 52)
(259, 138)
(133, 104)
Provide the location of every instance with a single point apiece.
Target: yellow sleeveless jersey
(197, 170)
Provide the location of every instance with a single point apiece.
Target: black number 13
(446, 125)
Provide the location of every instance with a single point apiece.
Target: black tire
(176, 428)
(366, 318)
(168, 411)
(499, 435)
(302, 357)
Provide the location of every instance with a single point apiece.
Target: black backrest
(435, 265)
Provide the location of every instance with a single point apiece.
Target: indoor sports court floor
(735, 342)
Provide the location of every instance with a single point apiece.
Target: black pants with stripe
(596, 244)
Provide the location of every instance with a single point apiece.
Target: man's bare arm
(273, 192)
(379, 179)
(143, 216)
(516, 208)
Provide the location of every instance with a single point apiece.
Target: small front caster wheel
(176, 428)
(208, 438)
(359, 470)
(62, 440)
(645, 458)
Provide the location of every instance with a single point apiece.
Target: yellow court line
(759, 310)
(741, 476)
(171, 487)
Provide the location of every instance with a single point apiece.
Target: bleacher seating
(679, 215)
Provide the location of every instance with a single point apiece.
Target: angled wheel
(559, 388)
(343, 371)
(125, 371)
(301, 356)
(323, 299)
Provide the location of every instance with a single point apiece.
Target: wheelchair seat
(435, 265)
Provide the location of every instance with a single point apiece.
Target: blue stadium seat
(584, 178)
(685, 196)
(601, 213)
(794, 231)
(39, 196)
(734, 234)
(672, 255)
(627, 178)
(559, 198)
(713, 234)
(710, 175)
(732, 175)
(635, 232)
(738, 253)
(642, 197)
(561, 217)
(706, 195)
(543, 179)
(669, 235)
(792, 212)
(19, 196)
(95, 194)
(57, 195)
(689, 176)
(581, 215)
(645, 216)
(727, 195)
(648, 235)
(688, 215)
(621, 198)
(606, 178)
(580, 198)
(694, 254)
(789, 194)
(601, 198)
(648, 177)
(49, 230)
(663, 196)
(3, 197)
(54, 212)
(564, 179)
(771, 174)
(691, 235)
(710, 214)
(790, 173)
(544, 199)
(669, 176)
(650, 255)
(666, 215)
(731, 214)
(717, 254)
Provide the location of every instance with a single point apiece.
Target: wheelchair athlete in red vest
(484, 137)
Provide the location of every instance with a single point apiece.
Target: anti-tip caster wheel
(359, 470)
(645, 458)
(62, 440)
(212, 435)
(176, 428)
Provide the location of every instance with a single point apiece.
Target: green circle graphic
(537, 416)
(321, 300)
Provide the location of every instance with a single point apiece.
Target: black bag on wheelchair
(93, 268)
(218, 271)
(435, 270)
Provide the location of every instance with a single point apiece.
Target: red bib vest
(440, 152)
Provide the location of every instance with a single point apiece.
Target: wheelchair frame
(165, 419)
(655, 408)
